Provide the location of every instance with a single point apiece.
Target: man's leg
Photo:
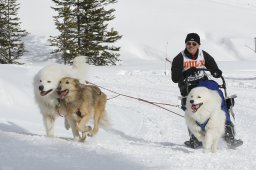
(183, 103)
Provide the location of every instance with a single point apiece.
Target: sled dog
(204, 117)
(82, 102)
(45, 84)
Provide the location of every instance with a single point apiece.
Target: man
(184, 68)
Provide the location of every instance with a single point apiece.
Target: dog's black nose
(41, 88)
(58, 88)
(191, 101)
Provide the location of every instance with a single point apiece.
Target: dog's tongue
(194, 107)
(63, 94)
(43, 93)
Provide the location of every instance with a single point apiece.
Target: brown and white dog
(82, 102)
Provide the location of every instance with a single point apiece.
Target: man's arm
(177, 68)
(210, 62)
(212, 65)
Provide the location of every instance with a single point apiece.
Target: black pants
(186, 87)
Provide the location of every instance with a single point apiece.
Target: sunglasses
(191, 43)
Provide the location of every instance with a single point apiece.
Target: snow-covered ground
(141, 135)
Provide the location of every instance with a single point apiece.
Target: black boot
(229, 132)
(230, 135)
(193, 143)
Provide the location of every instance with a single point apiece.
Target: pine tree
(2, 35)
(11, 44)
(66, 24)
(87, 30)
(96, 39)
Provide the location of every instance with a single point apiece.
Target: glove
(189, 72)
(216, 73)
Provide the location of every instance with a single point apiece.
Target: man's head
(193, 37)
(192, 43)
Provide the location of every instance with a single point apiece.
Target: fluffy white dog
(45, 84)
(204, 117)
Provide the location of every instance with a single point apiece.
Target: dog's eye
(199, 97)
(67, 82)
(40, 81)
(48, 81)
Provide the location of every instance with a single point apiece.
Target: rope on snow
(140, 99)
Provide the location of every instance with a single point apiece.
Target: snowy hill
(141, 135)
(227, 28)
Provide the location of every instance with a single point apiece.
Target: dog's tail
(80, 64)
(104, 120)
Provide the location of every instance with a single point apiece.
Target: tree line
(83, 27)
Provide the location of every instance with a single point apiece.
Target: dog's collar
(203, 124)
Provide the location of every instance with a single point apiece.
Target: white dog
(204, 117)
(45, 84)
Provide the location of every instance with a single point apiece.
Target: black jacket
(177, 65)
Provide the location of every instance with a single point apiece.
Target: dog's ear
(76, 81)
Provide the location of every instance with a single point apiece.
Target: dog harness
(212, 85)
(203, 124)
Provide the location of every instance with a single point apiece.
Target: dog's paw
(83, 137)
(50, 136)
(88, 128)
(90, 134)
(209, 150)
(83, 128)
(206, 150)
(76, 139)
(213, 150)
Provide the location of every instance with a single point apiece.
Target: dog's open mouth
(195, 107)
(63, 93)
(43, 93)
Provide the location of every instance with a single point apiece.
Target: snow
(141, 135)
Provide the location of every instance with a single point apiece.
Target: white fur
(49, 78)
(211, 108)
